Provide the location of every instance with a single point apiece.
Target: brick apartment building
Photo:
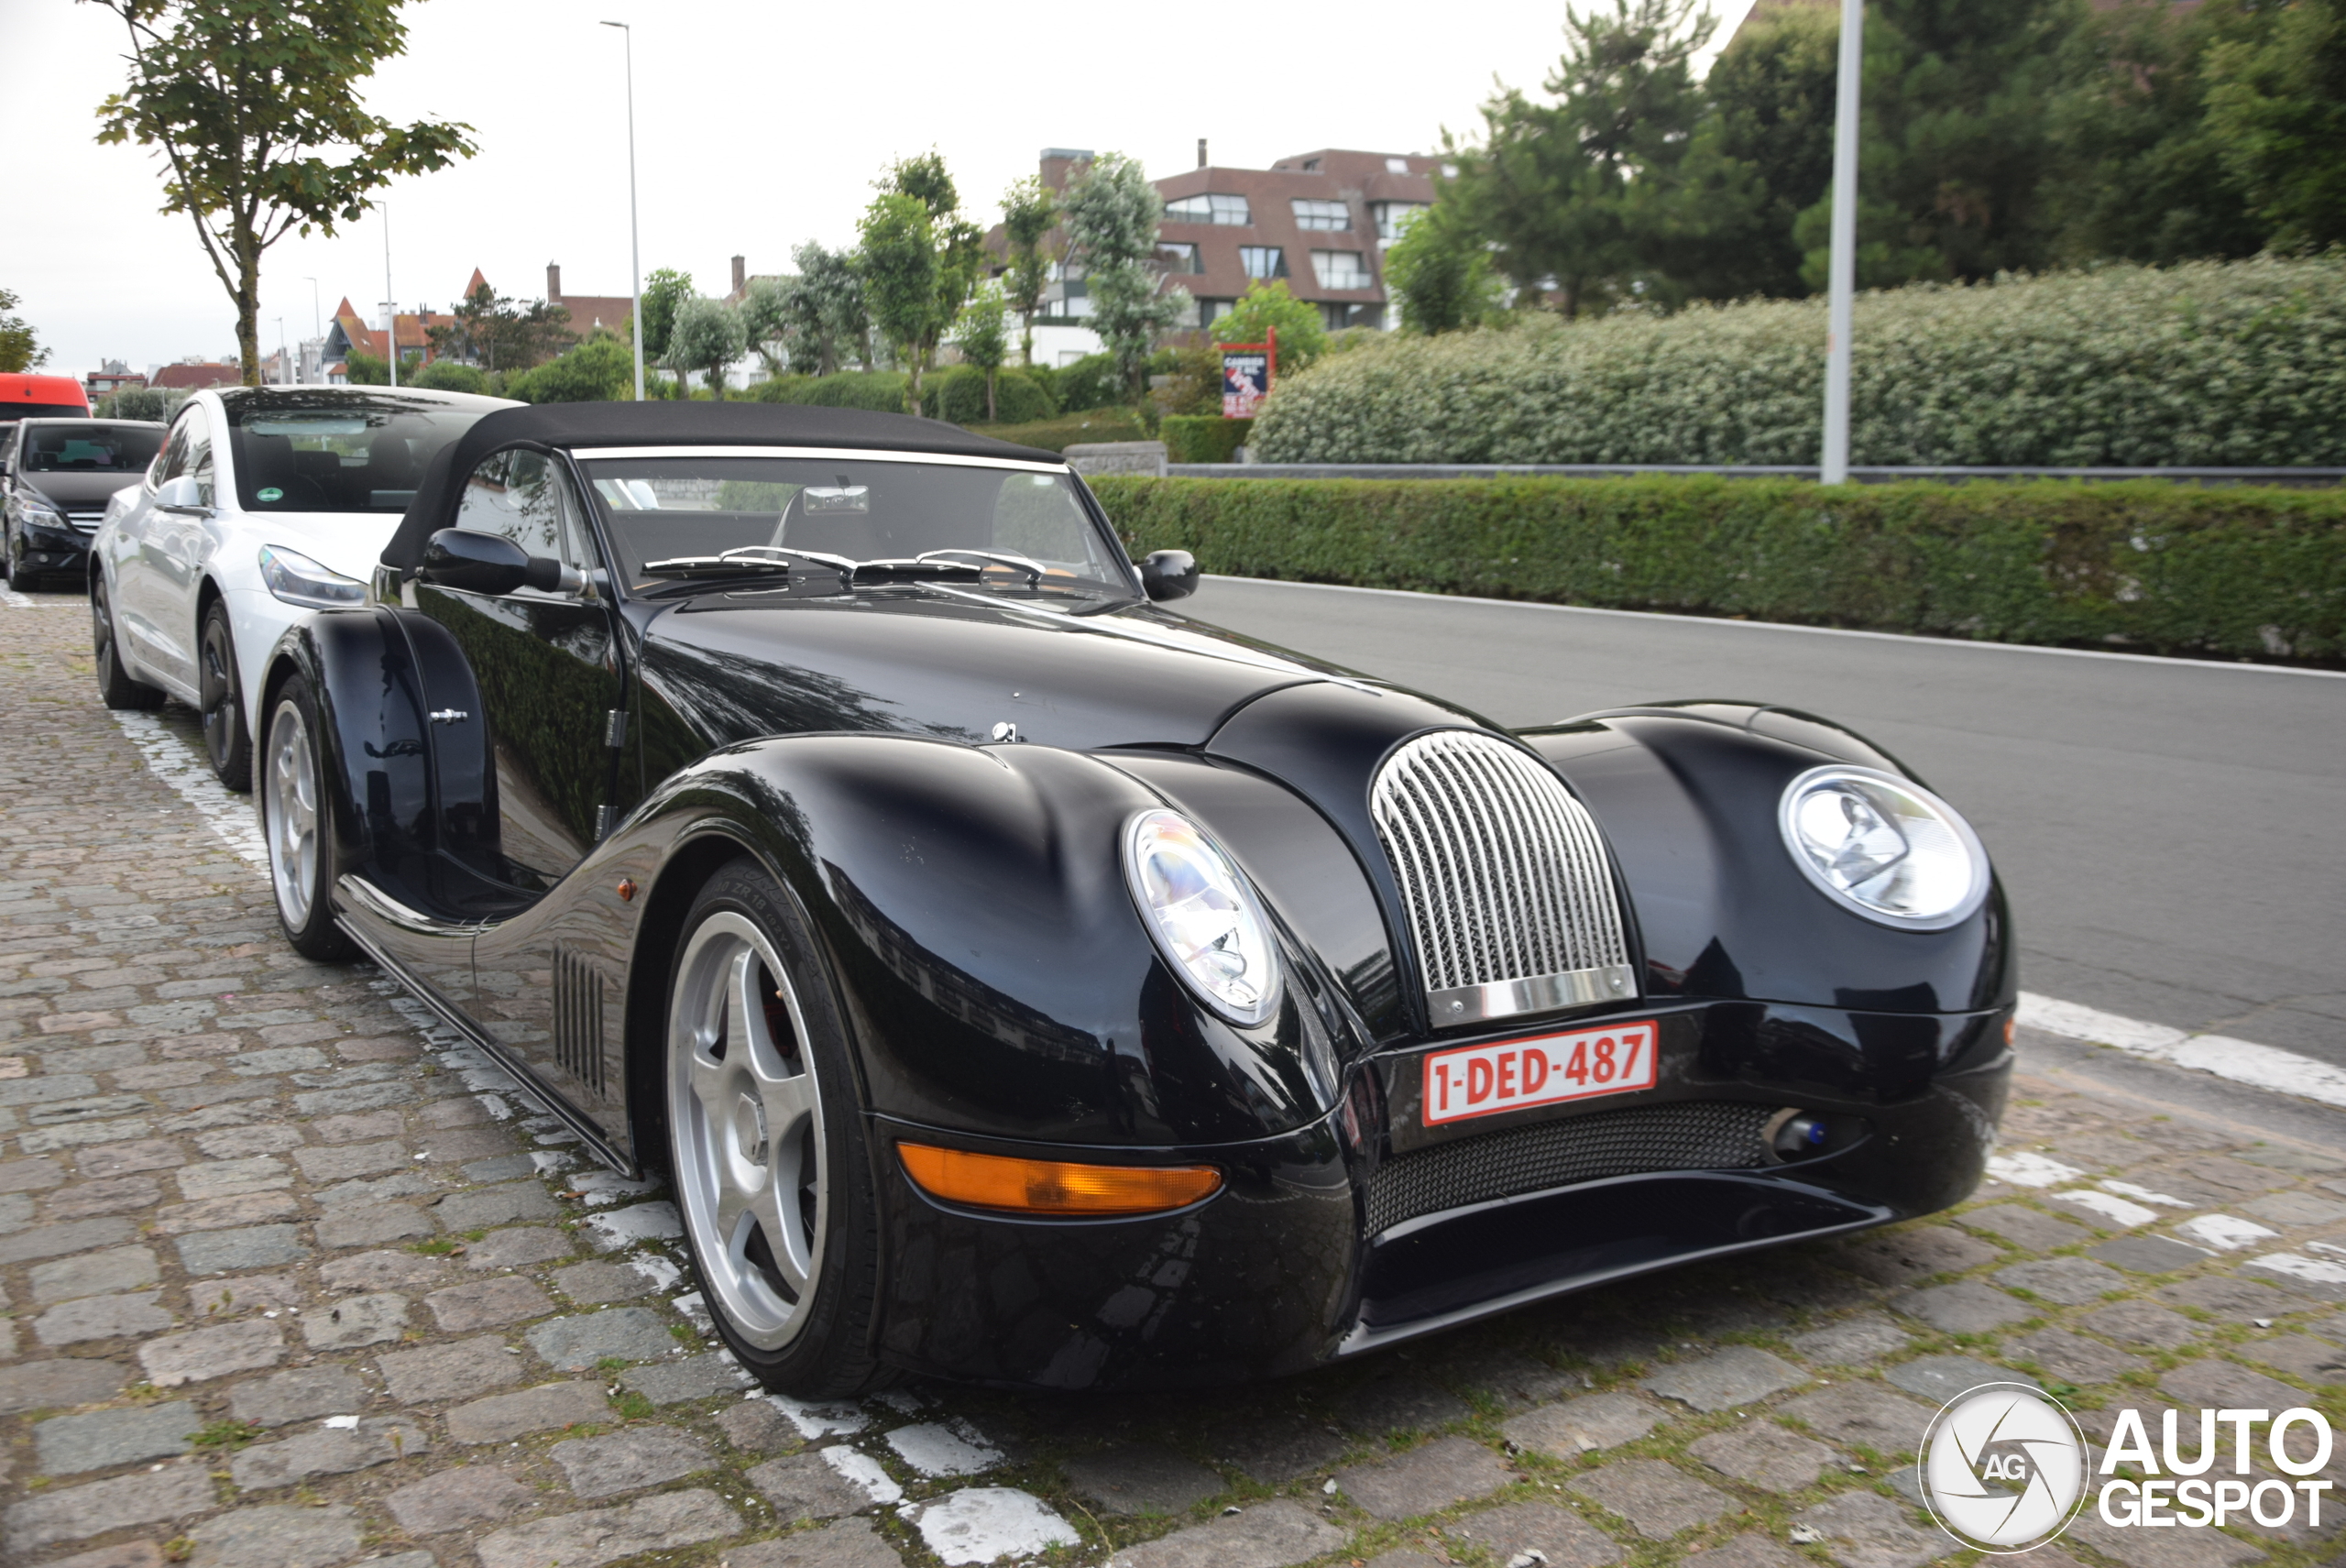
(1319, 222)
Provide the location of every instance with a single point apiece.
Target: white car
(264, 504)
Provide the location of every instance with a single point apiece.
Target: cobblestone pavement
(293, 1280)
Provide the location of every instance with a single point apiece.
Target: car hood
(80, 491)
(931, 663)
(344, 542)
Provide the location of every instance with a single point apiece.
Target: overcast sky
(758, 126)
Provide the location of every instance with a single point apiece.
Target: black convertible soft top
(672, 425)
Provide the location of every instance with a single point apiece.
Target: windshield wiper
(748, 558)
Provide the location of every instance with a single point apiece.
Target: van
(41, 397)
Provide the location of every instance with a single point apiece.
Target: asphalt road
(2173, 834)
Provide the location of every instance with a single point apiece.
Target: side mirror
(183, 496)
(476, 563)
(1170, 575)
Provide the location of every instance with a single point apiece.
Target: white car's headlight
(1885, 846)
(1205, 918)
(297, 579)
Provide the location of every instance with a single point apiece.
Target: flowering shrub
(2146, 564)
(2210, 364)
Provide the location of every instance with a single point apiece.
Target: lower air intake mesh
(1699, 1134)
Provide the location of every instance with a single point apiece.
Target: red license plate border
(1641, 1074)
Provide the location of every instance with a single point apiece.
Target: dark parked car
(56, 477)
(1020, 982)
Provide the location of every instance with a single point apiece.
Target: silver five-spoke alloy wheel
(290, 812)
(746, 1113)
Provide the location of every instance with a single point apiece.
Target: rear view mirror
(1170, 575)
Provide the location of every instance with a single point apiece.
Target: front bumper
(1281, 1271)
(42, 549)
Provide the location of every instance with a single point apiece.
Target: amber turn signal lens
(1054, 1186)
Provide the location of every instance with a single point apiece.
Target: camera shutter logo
(2003, 1468)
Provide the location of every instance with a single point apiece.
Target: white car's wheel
(297, 824)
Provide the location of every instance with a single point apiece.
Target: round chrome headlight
(1885, 846)
(1205, 918)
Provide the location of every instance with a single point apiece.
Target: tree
(449, 375)
(248, 102)
(1029, 210)
(1303, 336)
(1113, 215)
(919, 261)
(1958, 157)
(708, 335)
(361, 368)
(663, 294)
(1573, 194)
(1772, 93)
(1438, 273)
(984, 336)
(489, 330)
(767, 320)
(2276, 106)
(831, 306)
(20, 348)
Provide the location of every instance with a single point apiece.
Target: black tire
(297, 823)
(227, 741)
(824, 1345)
(116, 689)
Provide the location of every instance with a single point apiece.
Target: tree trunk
(1027, 339)
(991, 418)
(716, 383)
(248, 307)
(912, 382)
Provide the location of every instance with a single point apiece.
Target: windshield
(124, 449)
(339, 453)
(1005, 528)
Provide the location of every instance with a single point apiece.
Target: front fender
(378, 757)
(1688, 795)
(995, 970)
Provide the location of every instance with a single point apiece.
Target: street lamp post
(634, 233)
(390, 304)
(1843, 269)
(317, 323)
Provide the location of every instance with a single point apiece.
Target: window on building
(1179, 257)
(1342, 269)
(1312, 214)
(1391, 216)
(1231, 211)
(1450, 171)
(1337, 316)
(1397, 166)
(1212, 311)
(1263, 260)
(1311, 166)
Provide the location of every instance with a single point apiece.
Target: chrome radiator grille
(1507, 886)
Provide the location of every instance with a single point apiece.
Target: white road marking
(2025, 1169)
(2243, 1062)
(1790, 626)
(2128, 1190)
(979, 1524)
(232, 816)
(944, 1447)
(2296, 1267)
(10, 598)
(2226, 1233)
(2108, 1205)
(863, 1471)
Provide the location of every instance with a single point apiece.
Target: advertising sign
(1245, 382)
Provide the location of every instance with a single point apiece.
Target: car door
(548, 666)
(550, 674)
(158, 594)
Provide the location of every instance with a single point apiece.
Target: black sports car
(1019, 982)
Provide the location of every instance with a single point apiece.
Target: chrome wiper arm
(1033, 568)
(748, 558)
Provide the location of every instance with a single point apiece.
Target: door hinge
(615, 728)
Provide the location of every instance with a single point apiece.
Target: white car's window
(316, 449)
(189, 452)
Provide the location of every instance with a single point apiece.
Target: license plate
(1547, 1069)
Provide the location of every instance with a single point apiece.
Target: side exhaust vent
(578, 1017)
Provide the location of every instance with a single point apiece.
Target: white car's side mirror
(181, 495)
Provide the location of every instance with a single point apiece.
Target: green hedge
(959, 395)
(2211, 364)
(1202, 438)
(2147, 566)
(881, 391)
